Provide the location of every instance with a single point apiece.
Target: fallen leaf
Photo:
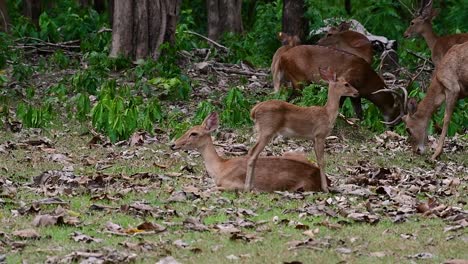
(27, 234)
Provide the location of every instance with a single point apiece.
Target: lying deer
(287, 42)
(351, 41)
(422, 25)
(292, 172)
(300, 64)
(275, 117)
(449, 82)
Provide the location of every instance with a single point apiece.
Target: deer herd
(342, 58)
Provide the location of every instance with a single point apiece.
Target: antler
(405, 102)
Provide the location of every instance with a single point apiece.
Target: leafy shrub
(86, 81)
(37, 117)
(174, 88)
(236, 109)
(22, 72)
(203, 110)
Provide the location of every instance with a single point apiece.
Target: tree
(224, 16)
(141, 26)
(32, 9)
(294, 22)
(4, 18)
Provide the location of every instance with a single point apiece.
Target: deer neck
(332, 106)
(213, 162)
(429, 35)
(434, 98)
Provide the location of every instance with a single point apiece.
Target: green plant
(86, 81)
(83, 107)
(174, 88)
(236, 111)
(314, 94)
(22, 72)
(59, 60)
(203, 110)
(37, 117)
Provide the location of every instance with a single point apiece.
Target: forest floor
(68, 197)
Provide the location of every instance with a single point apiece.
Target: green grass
(211, 246)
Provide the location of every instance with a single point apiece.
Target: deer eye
(193, 134)
(412, 23)
(346, 85)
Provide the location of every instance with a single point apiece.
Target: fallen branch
(208, 39)
(242, 72)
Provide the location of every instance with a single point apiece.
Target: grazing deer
(288, 42)
(292, 172)
(449, 82)
(301, 64)
(276, 117)
(351, 41)
(422, 25)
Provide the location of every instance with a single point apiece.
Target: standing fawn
(422, 25)
(449, 82)
(291, 172)
(275, 117)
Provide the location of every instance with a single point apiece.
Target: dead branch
(208, 39)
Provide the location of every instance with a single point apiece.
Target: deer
(343, 38)
(276, 117)
(450, 83)
(290, 172)
(422, 25)
(287, 42)
(300, 64)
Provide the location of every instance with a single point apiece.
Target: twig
(417, 74)
(208, 39)
(102, 30)
(409, 9)
(230, 70)
(417, 55)
(4, 21)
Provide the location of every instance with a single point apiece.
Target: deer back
(350, 41)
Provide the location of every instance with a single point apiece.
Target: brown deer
(288, 42)
(276, 117)
(449, 82)
(422, 25)
(351, 41)
(301, 64)
(291, 172)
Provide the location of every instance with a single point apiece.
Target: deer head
(198, 136)
(339, 85)
(287, 40)
(422, 20)
(415, 127)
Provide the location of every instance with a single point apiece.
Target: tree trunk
(32, 9)
(99, 5)
(141, 26)
(224, 16)
(347, 5)
(4, 18)
(294, 22)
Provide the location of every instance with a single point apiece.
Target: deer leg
(356, 102)
(450, 102)
(262, 141)
(277, 80)
(319, 147)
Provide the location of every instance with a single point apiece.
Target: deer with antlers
(291, 172)
(449, 82)
(276, 117)
(422, 25)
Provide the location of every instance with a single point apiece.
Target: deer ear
(434, 13)
(344, 26)
(327, 74)
(211, 122)
(412, 106)
(295, 41)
